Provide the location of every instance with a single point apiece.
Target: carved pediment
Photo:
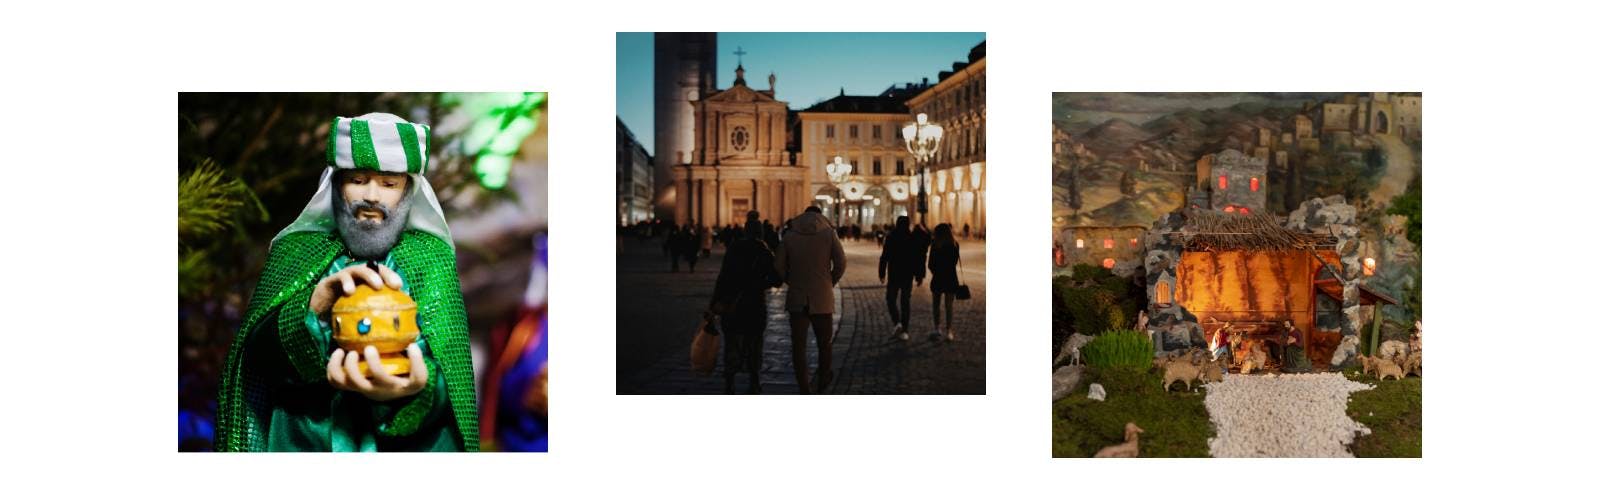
(739, 94)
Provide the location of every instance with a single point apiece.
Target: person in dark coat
(669, 245)
(898, 265)
(688, 245)
(740, 298)
(943, 259)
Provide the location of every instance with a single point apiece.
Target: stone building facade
(1118, 248)
(1231, 182)
(635, 179)
(956, 184)
(740, 160)
(1380, 113)
(865, 131)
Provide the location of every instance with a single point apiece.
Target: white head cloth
(379, 142)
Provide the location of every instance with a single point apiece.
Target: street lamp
(922, 140)
(837, 171)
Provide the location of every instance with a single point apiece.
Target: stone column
(680, 207)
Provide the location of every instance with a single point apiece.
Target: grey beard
(366, 239)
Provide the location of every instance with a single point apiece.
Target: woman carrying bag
(740, 299)
(944, 258)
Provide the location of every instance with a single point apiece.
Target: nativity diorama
(1237, 275)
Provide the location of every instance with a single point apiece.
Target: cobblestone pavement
(657, 311)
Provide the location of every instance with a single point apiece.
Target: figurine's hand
(344, 374)
(344, 281)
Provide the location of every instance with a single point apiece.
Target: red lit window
(1133, 242)
(1255, 184)
(1222, 182)
(1244, 210)
(1109, 243)
(1228, 209)
(1107, 263)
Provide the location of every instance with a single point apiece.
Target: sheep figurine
(1128, 449)
(1210, 371)
(1412, 364)
(1180, 371)
(1387, 368)
(1368, 364)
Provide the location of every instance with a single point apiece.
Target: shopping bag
(703, 351)
(962, 291)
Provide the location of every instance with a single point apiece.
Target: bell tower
(685, 72)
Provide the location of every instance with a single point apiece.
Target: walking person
(898, 265)
(811, 261)
(943, 259)
(705, 240)
(740, 299)
(688, 246)
(669, 244)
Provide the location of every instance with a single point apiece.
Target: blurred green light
(500, 124)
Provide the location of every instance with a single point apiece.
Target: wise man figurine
(374, 221)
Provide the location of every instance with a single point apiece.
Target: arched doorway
(1383, 123)
(875, 207)
(827, 198)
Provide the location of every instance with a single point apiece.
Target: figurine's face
(363, 188)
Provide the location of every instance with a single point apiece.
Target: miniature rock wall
(1332, 215)
(1175, 328)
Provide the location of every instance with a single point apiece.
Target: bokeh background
(249, 162)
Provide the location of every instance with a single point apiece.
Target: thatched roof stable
(1208, 230)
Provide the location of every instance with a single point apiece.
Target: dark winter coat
(741, 289)
(942, 262)
(901, 260)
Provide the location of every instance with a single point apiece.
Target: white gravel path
(1283, 415)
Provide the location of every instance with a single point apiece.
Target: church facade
(739, 160)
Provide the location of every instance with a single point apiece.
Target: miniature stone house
(1231, 182)
(1105, 246)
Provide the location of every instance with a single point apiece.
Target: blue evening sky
(811, 67)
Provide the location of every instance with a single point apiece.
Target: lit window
(1228, 209)
(1244, 210)
(1109, 243)
(1133, 242)
(1255, 184)
(1108, 263)
(1080, 242)
(1163, 293)
(1369, 266)
(1222, 182)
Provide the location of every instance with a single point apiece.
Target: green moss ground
(1175, 423)
(1393, 411)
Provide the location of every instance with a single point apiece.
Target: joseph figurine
(373, 220)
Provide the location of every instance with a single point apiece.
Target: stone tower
(686, 70)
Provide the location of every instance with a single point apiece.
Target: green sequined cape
(294, 265)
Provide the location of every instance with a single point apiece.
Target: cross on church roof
(741, 53)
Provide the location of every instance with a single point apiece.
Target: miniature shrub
(1119, 349)
(1093, 301)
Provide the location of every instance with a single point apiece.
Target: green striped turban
(379, 142)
